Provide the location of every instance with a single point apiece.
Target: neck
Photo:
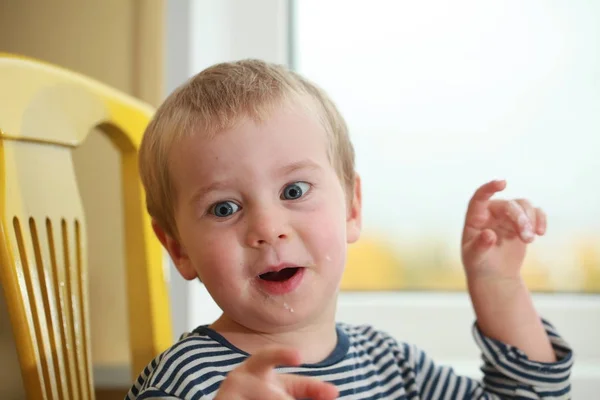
(314, 341)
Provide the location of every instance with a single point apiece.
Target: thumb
(303, 387)
(478, 246)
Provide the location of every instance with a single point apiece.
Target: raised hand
(497, 232)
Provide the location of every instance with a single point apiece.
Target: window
(441, 97)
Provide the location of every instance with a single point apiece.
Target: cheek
(214, 255)
(326, 234)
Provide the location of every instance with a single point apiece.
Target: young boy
(250, 181)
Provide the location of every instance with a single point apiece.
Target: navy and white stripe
(366, 364)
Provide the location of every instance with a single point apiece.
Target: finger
(541, 221)
(477, 209)
(536, 216)
(265, 360)
(303, 387)
(479, 246)
(519, 220)
(529, 211)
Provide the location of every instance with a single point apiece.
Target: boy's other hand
(256, 379)
(497, 232)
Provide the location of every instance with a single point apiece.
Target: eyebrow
(204, 190)
(300, 165)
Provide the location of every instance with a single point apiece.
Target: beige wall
(97, 167)
(118, 42)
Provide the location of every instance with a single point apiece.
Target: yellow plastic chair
(45, 112)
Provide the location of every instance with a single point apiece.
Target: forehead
(250, 147)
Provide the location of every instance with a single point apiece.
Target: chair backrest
(45, 112)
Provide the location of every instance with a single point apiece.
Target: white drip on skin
(287, 307)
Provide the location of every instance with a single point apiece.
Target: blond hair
(215, 100)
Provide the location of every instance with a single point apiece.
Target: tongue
(279, 276)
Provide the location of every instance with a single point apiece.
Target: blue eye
(295, 190)
(224, 209)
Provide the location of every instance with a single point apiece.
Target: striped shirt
(366, 364)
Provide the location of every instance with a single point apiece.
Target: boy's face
(263, 220)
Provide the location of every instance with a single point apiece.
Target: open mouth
(279, 276)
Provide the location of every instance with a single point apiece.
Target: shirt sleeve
(508, 373)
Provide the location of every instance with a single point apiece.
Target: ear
(176, 251)
(354, 219)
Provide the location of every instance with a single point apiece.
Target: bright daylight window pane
(441, 96)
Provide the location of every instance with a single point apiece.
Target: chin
(283, 318)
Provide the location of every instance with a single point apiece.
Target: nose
(266, 227)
